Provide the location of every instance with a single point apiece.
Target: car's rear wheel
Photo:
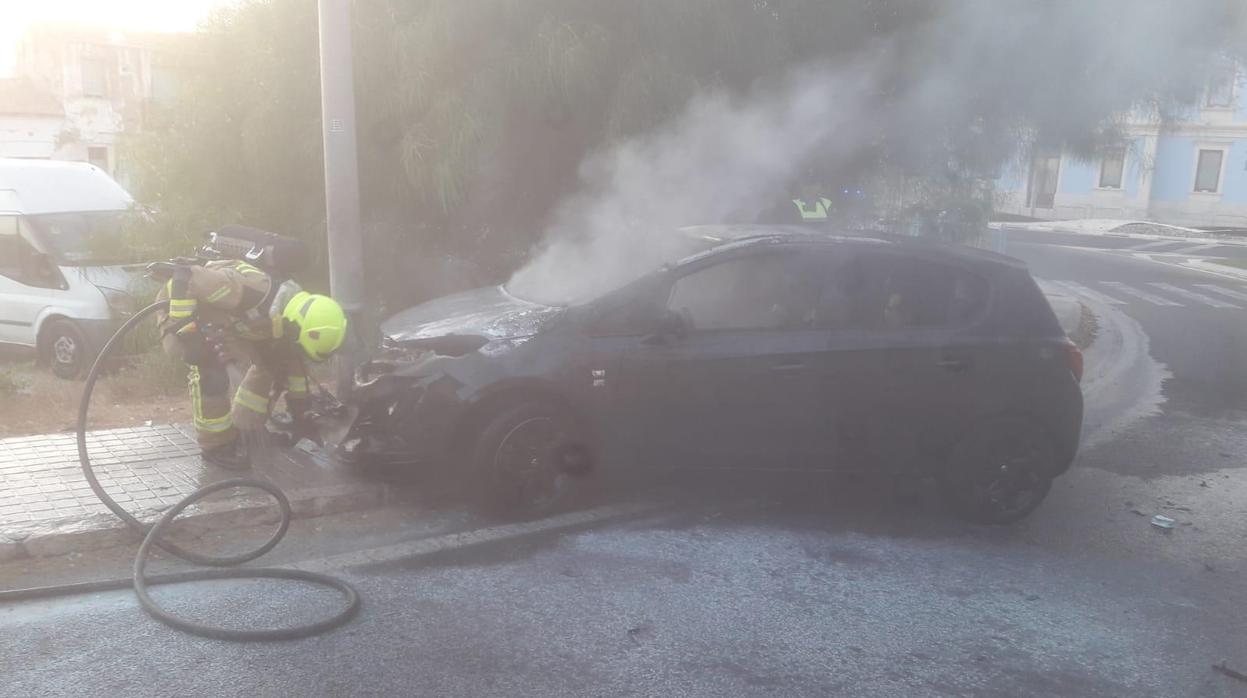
(527, 460)
(65, 348)
(1000, 472)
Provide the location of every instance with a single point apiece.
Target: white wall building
(31, 120)
(101, 83)
(1190, 169)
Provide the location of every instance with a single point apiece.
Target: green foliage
(13, 380)
(240, 141)
(146, 375)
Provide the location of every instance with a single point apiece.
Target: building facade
(1189, 169)
(89, 85)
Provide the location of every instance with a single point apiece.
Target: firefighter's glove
(195, 349)
(203, 344)
(214, 337)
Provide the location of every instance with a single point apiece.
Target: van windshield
(82, 238)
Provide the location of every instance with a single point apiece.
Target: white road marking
(1192, 295)
(1154, 245)
(1142, 295)
(1080, 290)
(1196, 248)
(1237, 295)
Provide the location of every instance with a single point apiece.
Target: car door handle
(953, 363)
(788, 368)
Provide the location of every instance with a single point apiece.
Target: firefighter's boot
(228, 457)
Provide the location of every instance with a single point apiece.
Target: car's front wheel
(527, 460)
(1000, 472)
(65, 348)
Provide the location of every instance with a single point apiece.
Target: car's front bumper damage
(404, 413)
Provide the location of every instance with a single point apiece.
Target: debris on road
(1163, 522)
(639, 632)
(1232, 673)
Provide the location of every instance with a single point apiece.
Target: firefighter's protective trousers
(224, 297)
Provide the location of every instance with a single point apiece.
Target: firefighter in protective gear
(229, 310)
(811, 205)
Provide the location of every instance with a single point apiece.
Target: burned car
(772, 348)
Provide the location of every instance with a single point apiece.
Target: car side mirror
(669, 325)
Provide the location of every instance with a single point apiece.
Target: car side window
(625, 320)
(777, 291)
(11, 252)
(906, 294)
(20, 261)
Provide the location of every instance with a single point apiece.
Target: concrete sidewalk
(1132, 229)
(47, 508)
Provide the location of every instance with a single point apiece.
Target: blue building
(1189, 171)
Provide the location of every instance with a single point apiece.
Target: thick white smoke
(721, 157)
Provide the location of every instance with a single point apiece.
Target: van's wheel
(1000, 472)
(527, 461)
(65, 348)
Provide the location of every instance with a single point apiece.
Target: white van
(62, 291)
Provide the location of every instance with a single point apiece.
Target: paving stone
(47, 508)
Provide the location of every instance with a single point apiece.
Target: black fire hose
(153, 536)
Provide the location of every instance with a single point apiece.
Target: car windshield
(83, 238)
(557, 276)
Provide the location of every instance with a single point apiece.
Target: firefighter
(229, 310)
(806, 205)
(811, 205)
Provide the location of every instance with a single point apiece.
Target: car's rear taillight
(1073, 357)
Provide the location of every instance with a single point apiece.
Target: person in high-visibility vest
(812, 205)
(228, 310)
(813, 209)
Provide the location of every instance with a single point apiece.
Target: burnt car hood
(490, 313)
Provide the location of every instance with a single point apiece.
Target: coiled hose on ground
(154, 537)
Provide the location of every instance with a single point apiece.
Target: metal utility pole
(337, 106)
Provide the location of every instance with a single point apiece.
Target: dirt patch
(37, 402)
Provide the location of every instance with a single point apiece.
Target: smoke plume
(974, 84)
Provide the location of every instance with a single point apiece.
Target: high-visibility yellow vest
(818, 213)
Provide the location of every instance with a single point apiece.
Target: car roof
(730, 237)
(55, 186)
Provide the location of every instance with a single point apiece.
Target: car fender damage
(410, 401)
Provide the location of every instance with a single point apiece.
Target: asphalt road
(806, 586)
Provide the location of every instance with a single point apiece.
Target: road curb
(424, 547)
(80, 534)
(1151, 237)
(1085, 333)
(1075, 318)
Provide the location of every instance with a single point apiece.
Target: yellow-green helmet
(320, 322)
